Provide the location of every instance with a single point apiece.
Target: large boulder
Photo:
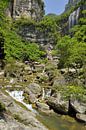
(57, 105)
(33, 91)
(76, 107)
(43, 107)
(59, 81)
(81, 117)
(42, 78)
(26, 118)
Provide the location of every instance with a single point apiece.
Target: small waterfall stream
(18, 96)
(46, 93)
(52, 121)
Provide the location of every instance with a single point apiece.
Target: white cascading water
(77, 15)
(73, 18)
(43, 94)
(18, 96)
(48, 93)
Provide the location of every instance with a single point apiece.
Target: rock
(59, 81)
(35, 89)
(66, 70)
(12, 81)
(39, 68)
(43, 107)
(42, 78)
(8, 86)
(63, 71)
(26, 118)
(81, 117)
(32, 98)
(27, 68)
(76, 107)
(2, 73)
(57, 105)
(23, 9)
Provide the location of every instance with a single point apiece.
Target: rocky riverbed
(42, 89)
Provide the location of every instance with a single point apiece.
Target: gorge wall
(70, 4)
(33, 9)
(36, 34)
(77, 13)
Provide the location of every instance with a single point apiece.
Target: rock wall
(33, 9)
(71, 3)
(33, 34)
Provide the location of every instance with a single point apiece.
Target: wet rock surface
(58, 105)
(81, 117)
(27, 118)
(43, 107)
(77, 107)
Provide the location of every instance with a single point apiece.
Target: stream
(18, 96)
(52, 121)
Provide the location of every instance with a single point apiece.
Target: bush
(2, 107)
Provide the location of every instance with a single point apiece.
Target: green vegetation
(72, 50)
(2, 107)
(76, 92)
(70, 46)
(14, 46)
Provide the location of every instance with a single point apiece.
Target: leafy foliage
(72, 50)
(2, 107)
(14, 46)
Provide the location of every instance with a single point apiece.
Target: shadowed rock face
(1, 46)
(33, 9)
(71, 3)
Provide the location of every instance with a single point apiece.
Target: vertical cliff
(77, 13)
(71, 3)
(33, 9)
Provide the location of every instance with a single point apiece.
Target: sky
(55, 6)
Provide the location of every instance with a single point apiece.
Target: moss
(78, 92)
(2, 107)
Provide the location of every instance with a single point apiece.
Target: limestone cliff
(71, 3)
(33, 9)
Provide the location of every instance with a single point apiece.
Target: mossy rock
(2, 107)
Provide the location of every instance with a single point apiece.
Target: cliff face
(71, 3)
(33, 34)
(33, 9)
(77, 14)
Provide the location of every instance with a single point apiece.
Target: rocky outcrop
(58, 105)
(42, 107)
(25, 120)
(33, 9)
(81, 117)
(71, 3)
(36, 34)
(33, 91)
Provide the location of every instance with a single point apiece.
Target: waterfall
(77, 15)
(43, 94)
(73, 18)
(48, 93)
(18, 96)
